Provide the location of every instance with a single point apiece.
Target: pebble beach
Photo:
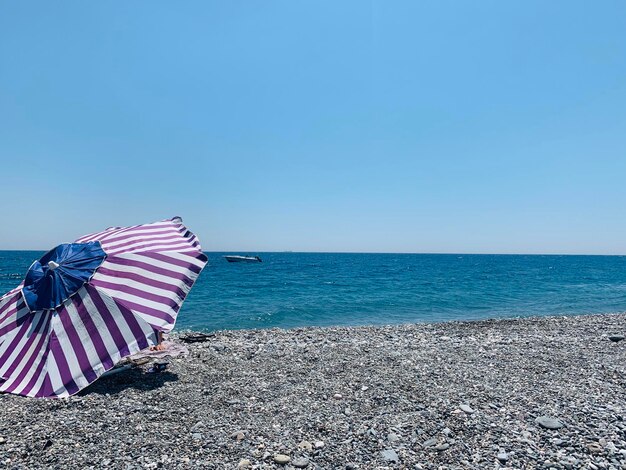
(539, 392)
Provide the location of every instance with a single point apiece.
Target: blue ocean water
(320, 289)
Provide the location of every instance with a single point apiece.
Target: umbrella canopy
(86, 305)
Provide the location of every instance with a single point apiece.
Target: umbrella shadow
(132, 379)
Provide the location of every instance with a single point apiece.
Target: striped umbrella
(86, 305)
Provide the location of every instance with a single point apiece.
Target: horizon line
(385, 252)
(417, 253)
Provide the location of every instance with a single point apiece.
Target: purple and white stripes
(137, 291)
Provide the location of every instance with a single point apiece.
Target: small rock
(351, 466)
(548, 423)
(305, 445)
(196, 426)
(430, 442)
(197, 436)
(281, 459)
(389, 455)
(616, 338)
(594, 448)
(392, 437)
(300, 463)
(570, 462)
(239, 435)
(337, 396)
(319, 444)
(502, 457)
(442, 447)
(467, 409)
(245, 463)
(2, 440)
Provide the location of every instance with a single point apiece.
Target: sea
(290, 290)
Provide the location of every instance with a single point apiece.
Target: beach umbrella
(86, 305)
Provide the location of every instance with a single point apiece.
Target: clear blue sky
(431, 126)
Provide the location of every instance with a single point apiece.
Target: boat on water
(242, 259)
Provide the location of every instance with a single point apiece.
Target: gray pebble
(594, 448)
(300, 463)
(196, 426)
(430, 442)
(306, 445)
(548, 423)
(467, 409)
(389, 455)
(239, 435)
(281, 459)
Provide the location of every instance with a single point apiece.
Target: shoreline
(454, 394)
(177, 333)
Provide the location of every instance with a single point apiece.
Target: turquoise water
(319, 289)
